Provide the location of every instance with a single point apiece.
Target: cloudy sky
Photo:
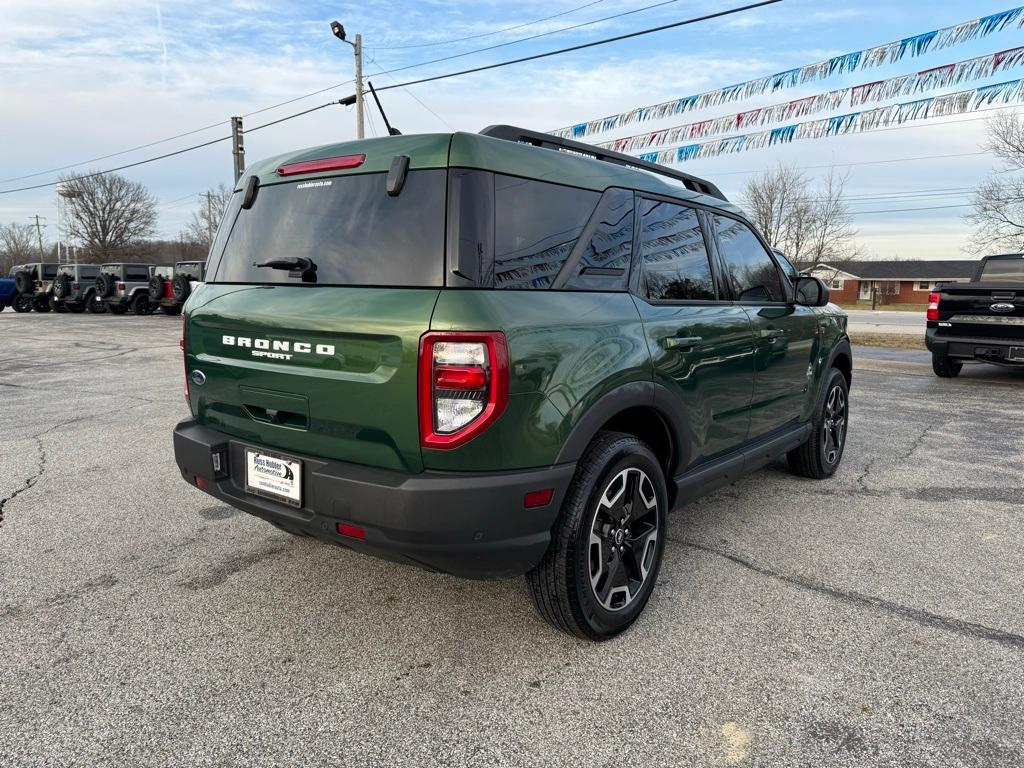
(80, 79)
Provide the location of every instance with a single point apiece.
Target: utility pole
(338, 30)
(209, 214)
(359, 86)
(237, 147)
(39, 233)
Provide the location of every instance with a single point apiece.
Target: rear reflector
(327, 164)
(538, 498)
(459, 377)
(201, 483)
(352, 531)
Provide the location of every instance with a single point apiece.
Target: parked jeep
(74, 288)
(33, 283)
(170, 287)
(125, 286)
(500, 354)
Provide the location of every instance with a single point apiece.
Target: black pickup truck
(982, 320)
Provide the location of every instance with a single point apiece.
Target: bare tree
(18, 244)
(998, 215)
(809, 224)
(112, 215)
(206, 218)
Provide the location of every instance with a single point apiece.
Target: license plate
(1016, 354)
(273, 477)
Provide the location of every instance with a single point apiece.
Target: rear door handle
(772, 334)
(682, 342)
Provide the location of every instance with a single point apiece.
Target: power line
(570, 49)
(486, 34)
(412, 94)
(168, 154)
(905, 210)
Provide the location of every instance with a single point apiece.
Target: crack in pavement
(905, 456)
(41, 464)
(916, 615)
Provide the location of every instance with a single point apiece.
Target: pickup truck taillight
(463, 385)
(933, 305)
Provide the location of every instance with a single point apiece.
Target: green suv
(499, 354)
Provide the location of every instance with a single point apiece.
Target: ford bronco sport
(34, 282)
(125, 286)
(74, 287)
(500, 354)
(169, 288)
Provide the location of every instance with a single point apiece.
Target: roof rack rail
(546, 140)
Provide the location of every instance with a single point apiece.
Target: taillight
(120, 286)
(75, 287)
(933, 305)
(463, 385)
(39, 283)
(326, 164)
(184, 356)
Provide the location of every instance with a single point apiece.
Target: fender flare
(642, 394)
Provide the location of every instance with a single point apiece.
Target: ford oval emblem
(1002, 308)
(198, 377)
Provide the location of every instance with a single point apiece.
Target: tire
(945, 367)
(172, 309)
(117, 309)
(57, 306)
(61, 286)
(563, 587)
(95, 305)
(820, 455)
(22, 303)
(181, 288)
(41, 304)
(105, 285)
(156, 288)
(76, 308)
(140, 304)
(23, 283)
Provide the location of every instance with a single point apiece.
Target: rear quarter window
(536, 226)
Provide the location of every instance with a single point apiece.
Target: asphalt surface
(871, 619)
(882, 321)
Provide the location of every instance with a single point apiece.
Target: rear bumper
(983, 349)
(470, 525)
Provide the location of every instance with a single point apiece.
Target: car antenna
(391, 131)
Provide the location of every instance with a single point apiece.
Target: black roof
(937, 269)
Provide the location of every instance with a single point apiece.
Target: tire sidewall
(626, 453)
(835, 378)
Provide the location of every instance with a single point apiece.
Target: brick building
(894, 282)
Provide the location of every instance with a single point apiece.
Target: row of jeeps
(98, 288)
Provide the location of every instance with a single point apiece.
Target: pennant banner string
(855, 96)
(958, 103)
(848, 62)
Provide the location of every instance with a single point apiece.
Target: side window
(675, 259)
(604, 262)
(137, 274)
(753, 274)
(536, 226)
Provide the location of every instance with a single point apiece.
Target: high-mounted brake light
(327, 164)
(934, 299)
(463, 385)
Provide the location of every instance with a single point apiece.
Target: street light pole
(339, 32)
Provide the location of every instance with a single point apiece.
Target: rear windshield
(1003, 271)
(348, 226)
(187, 268)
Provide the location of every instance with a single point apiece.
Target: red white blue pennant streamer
(957, 103)
(855, 96)
(848, 62)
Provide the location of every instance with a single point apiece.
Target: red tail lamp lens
(459, 377)
(352, 531)
(538, 498)
(933, 305)
(327, 164)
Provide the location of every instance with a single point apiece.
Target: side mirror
(811, 292)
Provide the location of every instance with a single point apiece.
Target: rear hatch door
(321, 363)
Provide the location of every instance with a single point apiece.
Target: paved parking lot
(874, 619)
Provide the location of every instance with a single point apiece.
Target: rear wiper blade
(305, 267)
